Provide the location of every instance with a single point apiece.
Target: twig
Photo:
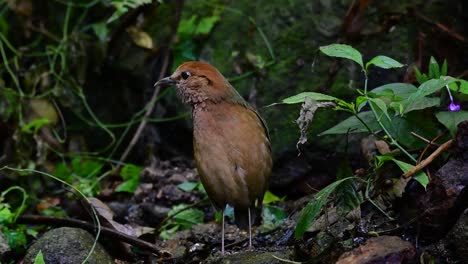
(452, 33)
(429, 142)
(429, 159)
(143, 123)
(111, 233)
(152, 102)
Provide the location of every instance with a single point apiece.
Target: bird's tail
(241, 216)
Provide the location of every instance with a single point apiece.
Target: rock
(458, 236)
(67, 245)
(4, 247)
(383, 249)
(255, 257)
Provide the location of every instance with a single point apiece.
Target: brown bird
(230, 140)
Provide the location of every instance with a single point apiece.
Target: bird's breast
(232, 153)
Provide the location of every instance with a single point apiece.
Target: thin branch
(429, 159)
(111, 233)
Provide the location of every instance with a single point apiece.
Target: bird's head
(199, 82)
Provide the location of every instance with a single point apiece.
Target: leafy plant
(181, 217)
(390, 112)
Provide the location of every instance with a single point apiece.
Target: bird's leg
(222, 234)
(250, 230)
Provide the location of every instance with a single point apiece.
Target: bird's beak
(165, 82)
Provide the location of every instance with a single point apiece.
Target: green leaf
(15, 237)
(403, 90)
(434, 71)
(186, 218)
(129, 186)
(384, 62)
(130, 171)
(353, 125)
(451, 119)
(101, 30)
(420, 176)
(420, 77)
(187, 186)
(6, 216)
(381, 106)
(206, 24)
(36, 124)
(347, 195)
(187, 27)
(429, 87)
(313, 208)
(443, 70)
(360, 102)
(299, 98)
(63, 172)
(343, 51)
(39, 259)
(421, 103)
(271, 198)
(168, 233)
(463, 88)
(86, 168)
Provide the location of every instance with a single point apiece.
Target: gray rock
(254, 257)
(4, 247)
(383, 249)
(67, 245)
(458, 236)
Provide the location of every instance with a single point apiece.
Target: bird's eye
(185, 75)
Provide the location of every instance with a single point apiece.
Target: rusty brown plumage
(231, 144)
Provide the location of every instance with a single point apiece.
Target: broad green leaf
(451, 119)
(16, 237)
(402, 126)
(206, 24)
(86, 168)
(129, 186)
(380, 160)
(354, 125)
(462, 88)
(39, 259)
(381, 105)
(271, 198)
(384, 62)
(421, 103)
(186, 218)
(187, 186)
(101, 30)
(420, 176)
(343, 51)
(403, 90)
(360, 102)
(429, 87)
(130, 171)
(313, 208)
(6, 215)
(299, 98)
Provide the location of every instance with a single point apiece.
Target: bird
(231, 143)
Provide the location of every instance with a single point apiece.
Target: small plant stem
(392, 140)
